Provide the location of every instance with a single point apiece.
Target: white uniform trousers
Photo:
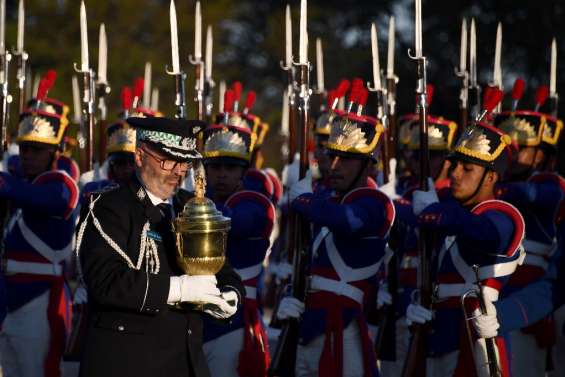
(442, 366)
(24, 341)
(528, 360)
(308, 356)
(394, 368)
(222, 354)
(558, 352)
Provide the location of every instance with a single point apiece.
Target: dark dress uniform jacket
(132, 331)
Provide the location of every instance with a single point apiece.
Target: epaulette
(67, 181)
(258, 181)
(514, 215)
(277, 185)
(69, 166)
(259, 198)
(550, 178)
(367, 192)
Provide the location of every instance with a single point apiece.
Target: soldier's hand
(383, 296)
(224, 306)
(304, 186)
(290, 307)
(422, 199)
(290, 172)
(197, 289)
(418, 314)
(486, 325)
(389, 188)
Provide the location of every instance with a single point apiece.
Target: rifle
(5, 97)
(415, 364)
(179, 75)
(87, 123)
(463, 74)
(553, 95)
(284, 358)
(391, 82)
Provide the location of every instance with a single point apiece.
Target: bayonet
(474, 88)
(155, 99)
(553, 95)
(179, 75)
(497, 68)
(198, 63)
(87, 124)
(209, 83)
(102, 90)
(391, 82)
(21, 58)
(146, 102)
(463, 74)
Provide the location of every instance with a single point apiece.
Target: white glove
(417, 314)
(224, 307)
(389, 188)
(80, 296)
(197, 289)
(282, 271)
(486, 325)
(290, 307)
(304, 186)
(383, 296)
(291, 171)
(422, 199)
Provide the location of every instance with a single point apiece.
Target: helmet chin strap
(468, 198)
(357, 176)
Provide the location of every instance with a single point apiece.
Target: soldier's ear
(492, 177)
(138, 157)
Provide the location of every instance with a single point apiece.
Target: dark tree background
(249, 43)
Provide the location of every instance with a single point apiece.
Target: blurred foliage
(249, 43)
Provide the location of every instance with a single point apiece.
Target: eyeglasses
(169, 165)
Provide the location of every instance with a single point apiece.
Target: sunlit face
(36, 159)
(224, 179)
(344, 171)
(529, 158)
(465, 179)
(160, 182)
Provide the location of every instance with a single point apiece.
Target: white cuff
(174, 290)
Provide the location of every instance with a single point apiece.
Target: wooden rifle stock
(284, 359)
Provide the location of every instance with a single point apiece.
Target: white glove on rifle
(389, 188)
(422, 199)
(418, 314)
(291, 171)
(282, 271)
(383, 296)
(290, 307)
(486, 325)
(223, 308)
(304, 186)
(196, 289)
(80, 296)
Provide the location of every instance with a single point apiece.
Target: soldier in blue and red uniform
(404, 241)
(474, 230)
(351, 222)
(525, 311)
(119, 165)
(37, 243)
(239, 348)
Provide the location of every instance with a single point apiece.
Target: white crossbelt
(250, 272)
(444, 291)
(338, 287)
(539, 248)
(19, 267)
(536, 260)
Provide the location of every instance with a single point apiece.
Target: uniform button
(156, 310)
(121, 328)
(189, 332)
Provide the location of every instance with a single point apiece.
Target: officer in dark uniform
(126, 249)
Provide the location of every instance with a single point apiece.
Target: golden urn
(201, 234)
